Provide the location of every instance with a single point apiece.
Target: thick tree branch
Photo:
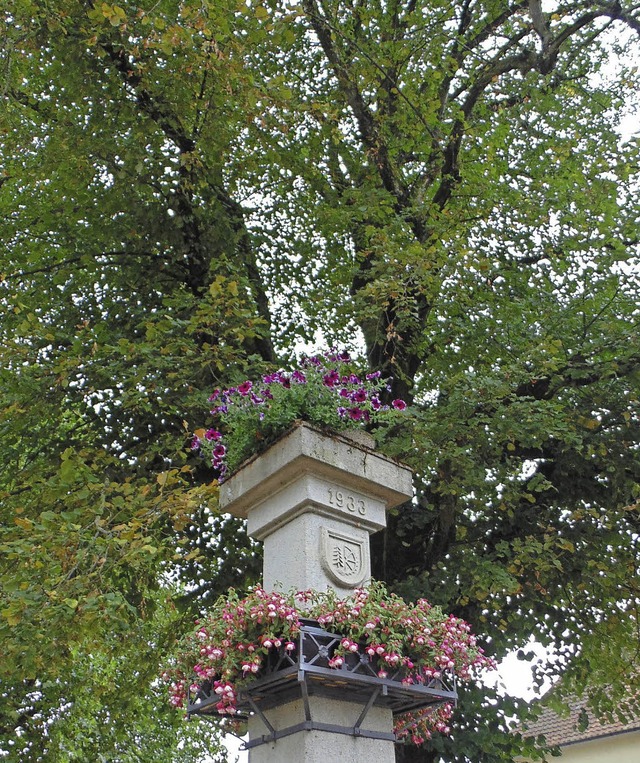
(376, 147)
(199, 248)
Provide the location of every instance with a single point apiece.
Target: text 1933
(342, 500)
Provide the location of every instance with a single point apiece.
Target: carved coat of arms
(343, 558)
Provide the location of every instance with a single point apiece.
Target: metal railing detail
(305, 672)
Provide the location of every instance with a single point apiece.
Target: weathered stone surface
(299, 555)
(306, 450)
(306, 492)
(322, 746)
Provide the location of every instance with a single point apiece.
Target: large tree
(191, 190)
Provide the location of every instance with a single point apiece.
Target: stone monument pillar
(313, 499)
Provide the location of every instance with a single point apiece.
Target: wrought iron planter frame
(286, 677)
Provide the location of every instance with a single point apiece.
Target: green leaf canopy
(189, 192)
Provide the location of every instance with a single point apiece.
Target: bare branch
(377, 148)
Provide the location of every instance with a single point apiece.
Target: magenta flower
(360, 395)
(245, 387)
(355, 414)
(331, 379)
(212, 434)
(398, 404)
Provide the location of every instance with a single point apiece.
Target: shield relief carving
(344, 558)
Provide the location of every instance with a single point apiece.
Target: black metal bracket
(287, 677)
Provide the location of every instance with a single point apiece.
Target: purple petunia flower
(331, 379)
(357, 399)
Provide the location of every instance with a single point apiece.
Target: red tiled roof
(564, 729)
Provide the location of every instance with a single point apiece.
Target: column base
(330, 735)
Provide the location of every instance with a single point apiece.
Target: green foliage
(104, 706)
(189, 190)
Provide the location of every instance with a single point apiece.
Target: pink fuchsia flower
(245, 387)
(398, 404)
(212, 434)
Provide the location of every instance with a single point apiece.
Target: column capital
(326, 464)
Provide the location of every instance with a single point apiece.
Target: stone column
(314, 499)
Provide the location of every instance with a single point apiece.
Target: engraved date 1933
(342, 500)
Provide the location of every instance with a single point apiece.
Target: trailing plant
(419, 641)
(325, 390)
